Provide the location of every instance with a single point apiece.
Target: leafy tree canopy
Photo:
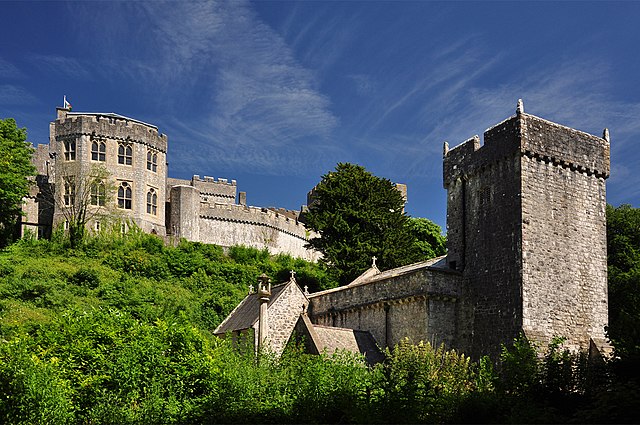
(15, 167)
(359, 216)
(623, 248)
(429, 240)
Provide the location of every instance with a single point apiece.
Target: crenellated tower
(527, 232)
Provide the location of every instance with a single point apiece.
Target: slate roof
(370, 275)
(355, 341)
(245, 315)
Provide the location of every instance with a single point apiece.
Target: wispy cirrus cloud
(12, 95)
(260, 98)
(8, 70)
(62, 65)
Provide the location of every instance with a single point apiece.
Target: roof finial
(520, 108)
(605, 135)
(445, 148)
(306, 290)
(293, 275)
(373, 261)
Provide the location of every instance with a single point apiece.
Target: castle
(133, 155)
(526, 239)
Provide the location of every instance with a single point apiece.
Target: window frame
(125, 196)
(152, 201)
(98, 151)
(69, 147)
(125, 154)
(152, 160)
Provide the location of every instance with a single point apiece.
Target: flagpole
(64, 101)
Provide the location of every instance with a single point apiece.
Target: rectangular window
(69, 191)
(69, 150)
(98, 194)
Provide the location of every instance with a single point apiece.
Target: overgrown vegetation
(118, 330)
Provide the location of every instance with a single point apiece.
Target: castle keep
(526, 254)
(134, 155)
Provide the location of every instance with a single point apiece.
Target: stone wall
(112, 129)
(416, 302)
(527, 229)
(283, 314)
(564, 233)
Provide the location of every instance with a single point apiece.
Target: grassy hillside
(135, 273)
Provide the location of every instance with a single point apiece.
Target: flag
(67, 105)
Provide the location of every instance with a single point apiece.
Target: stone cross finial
(445, 148)
(605, 134)
(306, 290)
(251, 291)
(373, 261)
(293, 275)
(520, 108)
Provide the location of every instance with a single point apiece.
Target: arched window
(152, 202)
(98, 151)
(152, 161)
(125, 154)
(98, 194)
(124, 196)
(70, 150)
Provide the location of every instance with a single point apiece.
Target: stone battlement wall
(529, 136)
(255, 216)
(222, 190)
(108, 126)
(228, 224)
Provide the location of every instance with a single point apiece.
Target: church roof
(369, 276)
(245, 315)
(329, 339)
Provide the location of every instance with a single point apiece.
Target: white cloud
(16, 95)
(8, 70)
(61, 65)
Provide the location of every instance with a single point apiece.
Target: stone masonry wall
(564, 233)
(484, 206)
(229, 225)
(527, 229)
(418, 304)
(283, 314)
(86, 128)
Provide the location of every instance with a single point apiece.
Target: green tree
(359, 216)
(623, 248)
(429, 240)
(15, 167)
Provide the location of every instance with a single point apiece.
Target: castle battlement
(527, 135)
(107, 126)
(254, 216)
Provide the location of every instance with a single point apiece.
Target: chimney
(264, 292)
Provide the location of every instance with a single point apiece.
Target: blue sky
(274, 94)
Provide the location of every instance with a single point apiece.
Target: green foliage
(358, 216)
(15, 167)
(623, 248)
(429, 240)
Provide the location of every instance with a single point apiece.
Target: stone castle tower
(527, 231)
(133, 152)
